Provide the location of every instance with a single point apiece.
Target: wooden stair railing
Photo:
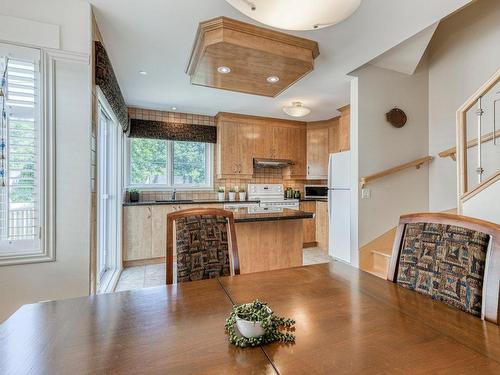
(452, 152)
(479, 188)
(415, 163)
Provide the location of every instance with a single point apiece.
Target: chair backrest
(454, 259)
(206, 244)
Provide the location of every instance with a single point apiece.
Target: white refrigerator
(339, 206)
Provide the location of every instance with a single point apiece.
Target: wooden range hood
(252, 53)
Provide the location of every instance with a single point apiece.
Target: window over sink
(164, 165)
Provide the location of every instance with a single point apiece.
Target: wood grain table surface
(348, 322)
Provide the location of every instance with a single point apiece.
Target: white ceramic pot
(221, 196)
(243, 196)
(232, 196)
(250, 329)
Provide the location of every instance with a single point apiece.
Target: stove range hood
(271, 163)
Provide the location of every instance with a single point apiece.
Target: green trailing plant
(257, 311)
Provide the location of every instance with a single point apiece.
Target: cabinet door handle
(235, 168)
(239, 168)
(308, 170)
(149, 213)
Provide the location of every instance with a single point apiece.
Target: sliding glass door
(108, 199)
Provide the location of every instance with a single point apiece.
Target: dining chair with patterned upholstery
(205, 244)
(450, 258)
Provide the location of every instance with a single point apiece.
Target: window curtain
(106, 80)
(172, 131)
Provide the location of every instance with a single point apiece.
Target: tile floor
(154, 274)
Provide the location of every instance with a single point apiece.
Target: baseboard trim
(142, 262)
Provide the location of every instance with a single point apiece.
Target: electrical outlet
(365, 194)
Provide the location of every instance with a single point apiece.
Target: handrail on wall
(452, 152)
(415, 163)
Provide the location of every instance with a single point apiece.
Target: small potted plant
(133, 195)
(221, 193)
(232, 194)
(243, 195)
(254, 324)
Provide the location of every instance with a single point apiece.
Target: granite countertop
(188, 201)
(242, 215)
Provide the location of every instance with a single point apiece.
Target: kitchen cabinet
(298, 147)
(344, 128)
(317, 152)
(235, 148)
(309, 224)
(137, 230)
(145, 230)
(241, 138)
(322, 225)
(264, 144)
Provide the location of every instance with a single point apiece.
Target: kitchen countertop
(241, 215)
(189, 201)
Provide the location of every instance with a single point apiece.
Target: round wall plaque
(396, 117)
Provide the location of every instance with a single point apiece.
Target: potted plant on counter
(133, 195)
(221, 193)
(243, 195)
(232, 194)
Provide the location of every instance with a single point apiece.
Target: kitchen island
(269, 240)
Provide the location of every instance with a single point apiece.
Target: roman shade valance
(106, 80)
(172, 131)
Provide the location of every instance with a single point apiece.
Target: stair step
(383, 252)
(377, 272)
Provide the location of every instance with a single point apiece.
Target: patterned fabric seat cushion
(444, 262)
(202, 248)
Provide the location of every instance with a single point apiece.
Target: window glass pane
(148, 161)
(189, 164)
(19, 148)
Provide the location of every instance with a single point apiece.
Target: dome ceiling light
(297, 14)
(296, 110)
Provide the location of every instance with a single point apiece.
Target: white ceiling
(157, 35)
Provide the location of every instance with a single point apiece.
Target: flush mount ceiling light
(273, 79)
(174, 108)
(296, 110)
(297, 14)
(143, 73)
(223, 69)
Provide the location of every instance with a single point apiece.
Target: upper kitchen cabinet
(344, 128)
(242, 138)
(235, 148)
(317, 150)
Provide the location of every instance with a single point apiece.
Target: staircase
(375, 256)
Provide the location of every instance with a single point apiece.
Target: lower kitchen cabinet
(322, 224)
(309, 224)
(145, 230)
(316, 230)
(137, 230)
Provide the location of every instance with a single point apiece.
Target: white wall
(485, 205)
(68, 276)
(463, 54)
(381, 146)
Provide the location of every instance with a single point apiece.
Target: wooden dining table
(347, 322)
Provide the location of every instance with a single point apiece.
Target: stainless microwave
(315, 191)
